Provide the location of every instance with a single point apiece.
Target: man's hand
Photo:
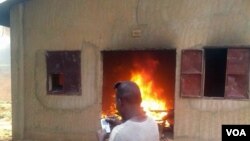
(113, 121)
(102, 135)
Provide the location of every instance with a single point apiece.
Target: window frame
(201, 73)
(61, 58)
(240, 75)
(225, 96)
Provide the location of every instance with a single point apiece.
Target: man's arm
(102, 135)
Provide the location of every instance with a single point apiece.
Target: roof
(5, 11)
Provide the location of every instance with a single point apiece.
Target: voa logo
(236, 132)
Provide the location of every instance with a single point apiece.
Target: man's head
(128, 97)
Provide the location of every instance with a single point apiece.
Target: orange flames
(153, 97)
(152, 103)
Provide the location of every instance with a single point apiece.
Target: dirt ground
(5, 105)
(5, 121)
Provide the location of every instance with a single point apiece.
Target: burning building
(152, 70)
(190, 57)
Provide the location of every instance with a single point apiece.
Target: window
(215, 70)
(63, 72)
(56, 82)
(225, 73)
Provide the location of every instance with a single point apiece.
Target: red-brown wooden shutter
(237, 75)
(191, 73)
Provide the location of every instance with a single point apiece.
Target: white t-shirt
(136, 131)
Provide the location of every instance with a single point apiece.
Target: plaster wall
(94, 25)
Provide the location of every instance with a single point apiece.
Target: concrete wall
(94, 25)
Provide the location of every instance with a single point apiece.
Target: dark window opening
(215, 72)
(56, 82)
(63, 72)
(225, 73)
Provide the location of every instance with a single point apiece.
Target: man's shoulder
(151, 119)
(118, 127)
(116, 131)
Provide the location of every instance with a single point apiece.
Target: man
(136, 126)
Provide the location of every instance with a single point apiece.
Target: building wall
(92, 26)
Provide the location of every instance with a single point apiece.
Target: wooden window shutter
(237, 74)
(191, 73)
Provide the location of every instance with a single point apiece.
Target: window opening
(56, 82)
(63, 72)
(215, 72)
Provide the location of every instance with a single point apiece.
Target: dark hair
(129, 91)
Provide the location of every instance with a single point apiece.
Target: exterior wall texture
(94, 25)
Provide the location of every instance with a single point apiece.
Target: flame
(153, 98)
(154, 105)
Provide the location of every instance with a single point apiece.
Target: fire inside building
(189, 58)
(153, 71)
